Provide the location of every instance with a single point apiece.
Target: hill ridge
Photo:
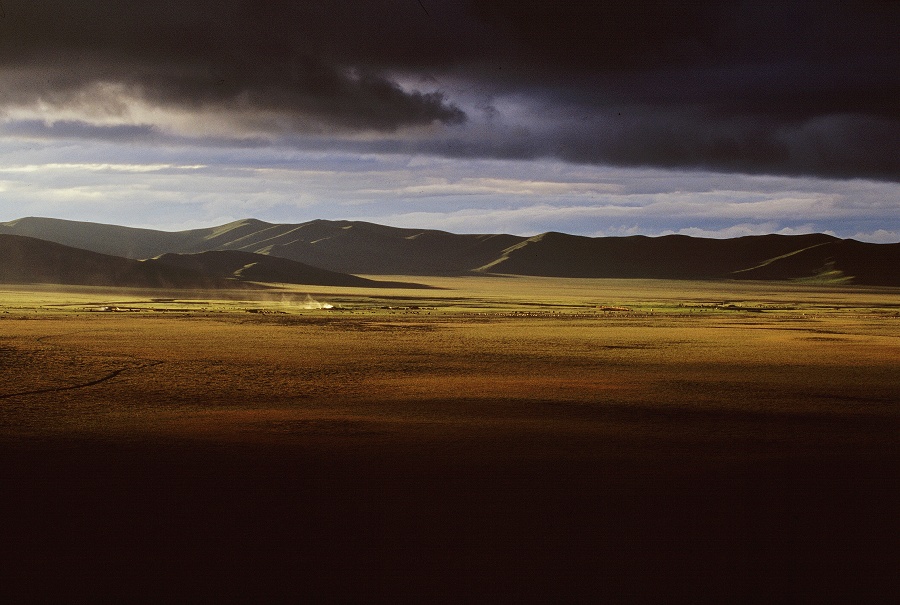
(250, 266)
(30, 260)
(361, 247)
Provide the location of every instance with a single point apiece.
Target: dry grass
(175, 370)
(538, 360)
(490, 381)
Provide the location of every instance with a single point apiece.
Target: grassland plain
(519, 439)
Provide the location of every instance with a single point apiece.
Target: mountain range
(331, 253)
(30, 260)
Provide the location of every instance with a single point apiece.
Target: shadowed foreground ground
(741, 459)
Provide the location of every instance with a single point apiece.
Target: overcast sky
(598, 118)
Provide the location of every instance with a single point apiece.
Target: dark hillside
(248, 266)
(838, 260)
(30, 260)
(354, 247)
(342, 246)
(359, 247)
(668, 257)
(127, 242)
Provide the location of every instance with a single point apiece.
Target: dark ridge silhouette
(127, 242)
(667, 257)
(835, 261)
(249, 266)
(30, 260)
(342, 246)
(355, 247)
(376, 249)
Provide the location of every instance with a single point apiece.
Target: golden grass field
(507, 438)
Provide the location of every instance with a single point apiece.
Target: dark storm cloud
(270, 56)
(790, 87)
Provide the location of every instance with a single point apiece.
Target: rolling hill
(813, 257)
(127, 242)
(667, 257)
(30, 260)
(357, 247)
(342, 246)
(249, 266)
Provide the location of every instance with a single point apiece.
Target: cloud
(131, 168)
(201, 56)
(745, 229)
(879, 236)
(792, 88)
(175, 187)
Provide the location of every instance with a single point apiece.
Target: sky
(598, 118)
